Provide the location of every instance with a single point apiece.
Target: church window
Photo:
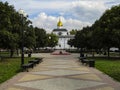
(59, 33)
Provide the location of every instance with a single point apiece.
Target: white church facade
(63, 36)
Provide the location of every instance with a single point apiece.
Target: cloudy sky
(74, 14)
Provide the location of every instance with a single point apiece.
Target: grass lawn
(109, 66)
(10, 67)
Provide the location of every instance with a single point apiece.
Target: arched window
(59, 33)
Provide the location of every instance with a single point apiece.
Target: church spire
(59, 24)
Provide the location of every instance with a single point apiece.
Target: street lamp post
(22, 15)
(49, 41)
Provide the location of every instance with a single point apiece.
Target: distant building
(63, 36)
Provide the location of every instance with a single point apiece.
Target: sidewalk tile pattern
(57, 84)
(87, 77)
(30, 77)
(14, 89)
(58, 72)
(106, 88)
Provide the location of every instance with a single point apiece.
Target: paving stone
(40, 69)
(105, 88)
(60, 72)
(87, 77)
(14, 89)
(34, 77)
(60, 66)
(60, 84)
(79, 69)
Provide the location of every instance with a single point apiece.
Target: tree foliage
(11, 28)
(73, 31)
(52, 40)
(103, 34)
(41, 37)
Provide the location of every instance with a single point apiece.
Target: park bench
(27, 66)
(81, 58)
(34, 62)
(40, 59)
(85, 61)
(31, 63)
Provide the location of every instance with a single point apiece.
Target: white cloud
(50, 22)
(88, 10)
(75, 13)
(33, 6)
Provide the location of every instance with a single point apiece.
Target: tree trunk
(108, 50)
(17, 52)
(35, 50)
(81, 52)
(119, 52)
(93, 53)
(11, 52)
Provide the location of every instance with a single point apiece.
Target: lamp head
(22, 12)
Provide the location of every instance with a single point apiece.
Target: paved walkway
(60, 72)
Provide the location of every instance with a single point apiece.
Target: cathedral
(63, 36)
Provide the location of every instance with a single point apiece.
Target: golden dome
(59, 24)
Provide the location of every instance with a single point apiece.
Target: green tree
(103, 34)
(8, 41)
(73, 31)
(52, 40)
(11, 25)
(29, 37)
(6, 13)
(71, 42)
(41, 37)
(109, 24)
